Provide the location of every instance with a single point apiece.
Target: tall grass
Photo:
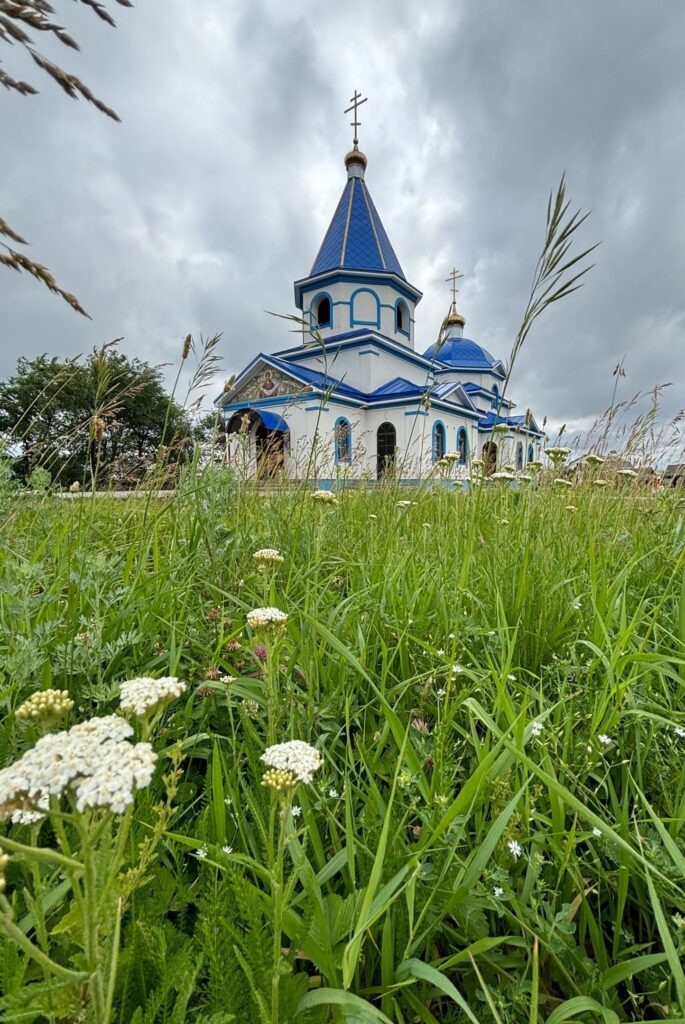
(485, 672)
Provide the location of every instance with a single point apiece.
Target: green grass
(572, 619)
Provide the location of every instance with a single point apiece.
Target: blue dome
(461, 352)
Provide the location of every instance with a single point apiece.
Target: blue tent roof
(272, 420)
(356, 238)
(461, 352)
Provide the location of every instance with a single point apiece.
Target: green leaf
(353, 1007)
(581, 1004)
(421, 971)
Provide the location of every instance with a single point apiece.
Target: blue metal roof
(356, 238)
(461, 352)
(272, 420)
(396, 386)
(526, 423)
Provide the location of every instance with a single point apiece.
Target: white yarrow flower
(268, 555)
(138, 696)
(324, 497)
(260, 618)
(295, 756)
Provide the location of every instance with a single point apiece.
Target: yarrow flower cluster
(262, 618)
(46, 704)
(629, 473)
(93, 760)
(138, 696)
(265, 555)
(557, 455)
(561, 482)
(324, 497)
(594, 460)
(502, 475)
(295, 759)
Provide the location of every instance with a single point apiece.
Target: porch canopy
(270, 420)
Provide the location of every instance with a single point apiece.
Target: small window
(438, 442)
(323, 312)
(531, 453)
(519, 455)
(402, 318)
(495, 396)
(343, 441)
(461, 445)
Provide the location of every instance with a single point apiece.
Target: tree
(105, 418)
(18, 18)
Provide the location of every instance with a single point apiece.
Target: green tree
(103, 418)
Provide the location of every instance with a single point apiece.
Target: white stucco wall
(356, 305)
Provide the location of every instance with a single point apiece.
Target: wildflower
(212, 673)
(296, 811)
(426, 525)
(477, 464)
(600, 483)
(511, 678)
(233, 646)
(457, 669)
(509, 468)
(372, 516)
(594, 460)
(251, 707)
(502, 476)
(536, 465)
(561, 482)
(571, 508)
(557, 455)
(679, 731)
(536, 728)
(296, 757)
(421, 725)
(92, 760)
(324, 497)
(450, 636)
(525, 476)
(500, 428)
(46, 704)
(498, 891)
(605, 740)
(227, 849)
(266, 555)
(629, 473)
(227, 680)
(262, 618)
(404, 503)
(504, 522)
(515, 849)
(259, 651)
(440, 652)
(441, 692)
(596, 832)
(333, 794)
(75, 487)
(138, 696)
(201, 852)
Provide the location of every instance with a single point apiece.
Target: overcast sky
(198, 211)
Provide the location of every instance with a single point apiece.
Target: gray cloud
(199, 211)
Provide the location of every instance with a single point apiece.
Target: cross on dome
(454, 277)
(356, 102)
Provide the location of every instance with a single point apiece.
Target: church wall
(355, 305)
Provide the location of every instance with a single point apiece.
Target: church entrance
(490, 457)
(270, 446)
(386, 446)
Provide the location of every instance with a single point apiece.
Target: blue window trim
(340, 420)
(365, 323)
(438, 423)
(317, 298)
(461, 432)
(519, 455)
(407, 314)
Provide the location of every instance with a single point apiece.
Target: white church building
(355, 399)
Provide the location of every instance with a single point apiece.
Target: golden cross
(454, 277)
(356, 102)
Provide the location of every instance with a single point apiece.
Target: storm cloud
(212, 196)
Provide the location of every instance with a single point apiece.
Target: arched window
(495, 396)
(401, 317)
(531, 453)
(343, 440)
(519, 455)
(322, 312)
(462, 448)
(365, 308)
(438, 441)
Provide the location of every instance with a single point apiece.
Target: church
(355, 400)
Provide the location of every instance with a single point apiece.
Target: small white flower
(227, 849)
(536, 728)
(679, 731)
(457, 669)
(441, 691)
(511, 678)
(227, 801)
(333, 794)
(515, 849)
(605, 740)
(498, 891)
(596, 832)
(451, 636)
(440, 652)
(201, 852)
(296, 811)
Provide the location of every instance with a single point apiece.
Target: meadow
(493, 680)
